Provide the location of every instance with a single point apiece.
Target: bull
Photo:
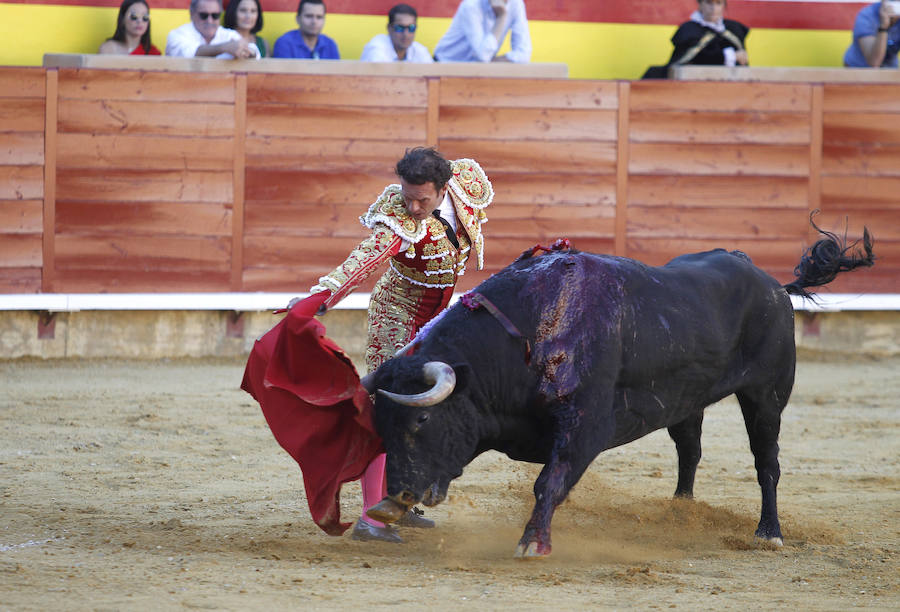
(564, 354)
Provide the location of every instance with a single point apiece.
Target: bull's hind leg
(686, 435)
(762, 417)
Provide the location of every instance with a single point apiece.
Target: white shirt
(469, 38)
(381, 49)
(184, 41)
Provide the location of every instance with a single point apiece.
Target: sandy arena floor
(138, 485)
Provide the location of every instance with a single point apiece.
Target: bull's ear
(463, 373)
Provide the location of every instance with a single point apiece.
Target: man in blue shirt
(307, 42)
(876, 37)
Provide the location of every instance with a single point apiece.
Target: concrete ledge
(531, 70)
(788, 74)
(257, 302)
(147, 334)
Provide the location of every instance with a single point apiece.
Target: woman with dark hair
(246, 17)
(132, 34)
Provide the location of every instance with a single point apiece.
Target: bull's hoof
(364, 532)
(530, 552)
(774, 542)
(387, 511)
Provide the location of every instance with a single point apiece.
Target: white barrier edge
(256, 302)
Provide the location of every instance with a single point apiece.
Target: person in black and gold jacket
(706, 39)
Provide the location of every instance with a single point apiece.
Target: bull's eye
(422, 419)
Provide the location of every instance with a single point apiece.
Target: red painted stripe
(754, 13)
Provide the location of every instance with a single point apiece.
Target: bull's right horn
(437, 373)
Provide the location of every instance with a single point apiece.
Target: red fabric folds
(317, 409)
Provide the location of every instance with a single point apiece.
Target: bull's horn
(368, 382)
(437, 373)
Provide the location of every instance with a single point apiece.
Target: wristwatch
(883, 29)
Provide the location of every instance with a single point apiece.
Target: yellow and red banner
(598, 39)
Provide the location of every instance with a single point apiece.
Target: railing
(127, 180)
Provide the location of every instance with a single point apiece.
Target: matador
(427, 228)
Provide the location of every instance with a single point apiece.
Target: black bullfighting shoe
(414, 518)
(366, 532)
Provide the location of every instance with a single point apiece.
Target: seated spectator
(478, 29)
(132, 35)
(707, 39)
(399, 44)
(307, 41)
(203, 37)
(876, 37)
(246, 18)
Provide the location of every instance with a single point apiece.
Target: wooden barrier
(22, 164)
(168, 181)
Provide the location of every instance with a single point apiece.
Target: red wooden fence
(131, 180)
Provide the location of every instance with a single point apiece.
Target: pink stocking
(374, 487)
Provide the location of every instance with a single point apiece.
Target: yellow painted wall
(591, 50)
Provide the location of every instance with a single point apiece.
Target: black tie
(451, 235)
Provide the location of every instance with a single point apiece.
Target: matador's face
(421, 200)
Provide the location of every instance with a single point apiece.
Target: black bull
(610, 350)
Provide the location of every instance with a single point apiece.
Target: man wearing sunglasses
(399, 44)
(204, 37)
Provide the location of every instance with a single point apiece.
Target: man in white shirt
(203, 37)
(399, 44)
(479, 28)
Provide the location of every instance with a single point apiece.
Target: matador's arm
(362, 262)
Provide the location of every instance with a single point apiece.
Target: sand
(157, 485)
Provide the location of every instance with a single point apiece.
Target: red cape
(311, 397)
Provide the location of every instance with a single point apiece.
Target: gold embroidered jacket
(420, 278)
(430, 259)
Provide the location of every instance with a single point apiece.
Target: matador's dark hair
(424, 165)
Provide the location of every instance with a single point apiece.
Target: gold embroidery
(367, 252)
(389, 210)
(391, 318)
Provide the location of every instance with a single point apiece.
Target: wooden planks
(861, 173)
(144, 180)
(129, 180)
(662, 95)
(22, 109)
(142, 86)
(551, 153)
(719, 165)
(319, 151)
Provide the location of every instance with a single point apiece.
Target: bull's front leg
(571, 455)
(550, 490)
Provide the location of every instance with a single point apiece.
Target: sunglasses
(145, 18)
(205, 16)
(399, 29)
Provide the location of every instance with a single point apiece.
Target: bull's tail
(827, 258)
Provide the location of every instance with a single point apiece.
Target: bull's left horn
(438, 374)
